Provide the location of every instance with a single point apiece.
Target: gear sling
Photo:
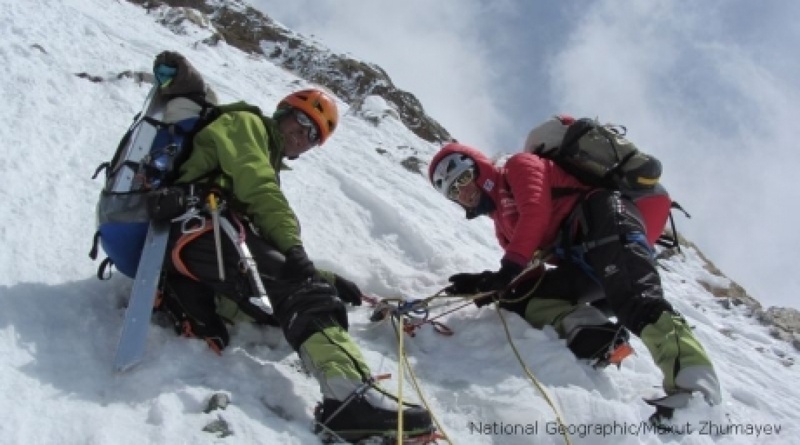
(215, 218)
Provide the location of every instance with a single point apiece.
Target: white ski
(133, 340)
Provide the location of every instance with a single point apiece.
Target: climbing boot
(589, 333)
(354, 407)
(601, 345)
(369, 415)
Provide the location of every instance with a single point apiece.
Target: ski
(137, 143)
(135, 148)
(133, 339)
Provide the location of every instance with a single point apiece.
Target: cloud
(717, 107)
(709, 87)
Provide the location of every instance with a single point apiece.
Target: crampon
(357, 422)
(666, 406)
(614, 356)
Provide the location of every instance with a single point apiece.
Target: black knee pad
(306, 309)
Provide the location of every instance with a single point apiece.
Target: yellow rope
(401, 353)
(406, 363)
(400, 335)
(532, 377)
(422, 399)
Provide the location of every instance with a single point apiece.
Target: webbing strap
(95, 243)
(104, 269)
(672, 242)
(589, 245)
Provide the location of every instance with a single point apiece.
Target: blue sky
(709, 87)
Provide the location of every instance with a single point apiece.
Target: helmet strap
(281, 113)
(484, 207)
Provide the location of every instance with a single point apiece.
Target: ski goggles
(460, 182)
(305, 121)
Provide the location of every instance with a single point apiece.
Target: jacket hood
(488, 173)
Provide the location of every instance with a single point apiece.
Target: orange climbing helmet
(318, 105)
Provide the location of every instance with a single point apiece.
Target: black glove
(496, 281)
(165, 204)
(466, 283)
(347, 290)
(297, 266)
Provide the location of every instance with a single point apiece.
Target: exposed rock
(217, 401)
(733, 294)
(732, 291)
(95, 79)
(213, 40)
(219, 427)
(373, 109)
(179, 19)
(784, 323)
(39, 47)
(785, 318)
(413, 164)
(137, 76)
(251, 31)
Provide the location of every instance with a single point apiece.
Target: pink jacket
(526, 218)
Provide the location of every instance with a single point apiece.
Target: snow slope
(363, 215)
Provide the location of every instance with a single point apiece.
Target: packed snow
(363, 215)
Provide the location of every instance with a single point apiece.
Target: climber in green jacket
(239, 157)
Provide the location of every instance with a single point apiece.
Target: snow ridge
(363, 214)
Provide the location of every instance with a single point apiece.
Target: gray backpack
(598, 155)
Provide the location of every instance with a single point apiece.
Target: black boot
(192, 309)
(357, 419)
(602, 345)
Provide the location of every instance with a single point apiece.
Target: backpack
(599, 155)
(148, 158)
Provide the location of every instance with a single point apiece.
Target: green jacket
(248, 151)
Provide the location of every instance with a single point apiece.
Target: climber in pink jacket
(598, 242)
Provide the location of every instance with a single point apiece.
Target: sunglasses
(460, 182)
(306, 122)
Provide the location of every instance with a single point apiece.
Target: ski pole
(212, 204)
